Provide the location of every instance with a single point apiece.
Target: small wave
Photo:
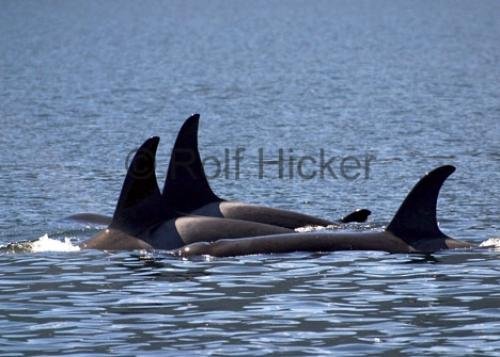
(46, 244)
(311, 228)
(356, 227)
(491, 243)
(42, 244)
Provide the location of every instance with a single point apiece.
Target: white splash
(46, 244)
(491, 243)
(310, 229)
(331, 227)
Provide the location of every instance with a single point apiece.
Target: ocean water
(405, 86)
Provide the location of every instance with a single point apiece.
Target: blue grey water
(413, 84)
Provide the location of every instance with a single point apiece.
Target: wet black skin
(143, 220)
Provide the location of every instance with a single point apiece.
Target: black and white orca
(414, 229)
(187, 190)
(144, 219)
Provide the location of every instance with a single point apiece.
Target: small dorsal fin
(186, 186)
(359, 215)
(416, 218)
(140, 204)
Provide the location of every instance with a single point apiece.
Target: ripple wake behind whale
(42, 244)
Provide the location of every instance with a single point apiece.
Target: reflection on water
(352, 302)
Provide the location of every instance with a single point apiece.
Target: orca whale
(143, 218)
(187, 190)
(414, 229)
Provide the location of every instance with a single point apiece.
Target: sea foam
(46, 244)
(491, 243)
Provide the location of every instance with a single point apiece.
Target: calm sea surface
(413, 84)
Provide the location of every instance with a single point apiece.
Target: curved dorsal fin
(186, 186)
(359, 215)
(416, 218)
(140, 204)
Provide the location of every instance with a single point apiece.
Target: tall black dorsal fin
(416, 218)
(186, 186)
(140, 205)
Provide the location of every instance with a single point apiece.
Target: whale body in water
(187, 191)
(414, 229)
(144, 219)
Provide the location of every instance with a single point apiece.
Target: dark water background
(415, 84)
